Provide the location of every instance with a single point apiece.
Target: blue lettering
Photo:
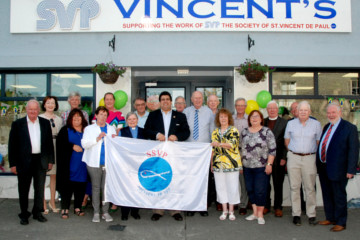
(194, 14)
(325, 9)
(147, 8)
(288, 6)
(162, 3)
(224, 9)
(127, 14)
(268, 14)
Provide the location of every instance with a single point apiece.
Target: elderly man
(302, 136)
(293, 109)
(213, 103)
(74, 100)
(166, 124)
(31, 154)
(336, 159)
(141, 113)
(180, 104)
(241, 122)
(201, 123)
(277, 125)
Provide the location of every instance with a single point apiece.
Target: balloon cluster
(262, 99)
(120, 99)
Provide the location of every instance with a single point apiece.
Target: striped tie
(323, 146)
(196, 125)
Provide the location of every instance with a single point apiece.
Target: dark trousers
(126, 210)
(334, 197)
(257, 182)
(24, 181)
(76, 188)
(278, 175)
(211, 197)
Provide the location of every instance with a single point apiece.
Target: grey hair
(33, 101)
(178, 98)
(211, 96)
(129, 114)
(202, 95)
(139, 98)
(306, 103)
(337, 105)
(241, 99)
(272, 102)
(74, 94)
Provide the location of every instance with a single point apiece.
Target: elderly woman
(226, 162)
(74, 100)
(258, 153)
(71, 171)
(94, 157)
(50, 106)
(131, 131)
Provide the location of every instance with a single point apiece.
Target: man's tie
(323, 146)
(196, 125)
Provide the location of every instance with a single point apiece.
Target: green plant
(109, 67)
(253, 65)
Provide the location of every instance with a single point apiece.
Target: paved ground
(196, 227)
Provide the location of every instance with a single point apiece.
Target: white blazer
(92, 148)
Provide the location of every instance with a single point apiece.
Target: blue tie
(196, 125)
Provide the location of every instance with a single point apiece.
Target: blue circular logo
(333, 26)
(155, 174)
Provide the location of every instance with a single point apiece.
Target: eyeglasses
(255, 116)
(179, 103)
(52, 122)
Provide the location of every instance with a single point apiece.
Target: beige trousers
(302, 170)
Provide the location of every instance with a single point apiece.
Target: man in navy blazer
(336, 160)
(165, 124)
(31, 154)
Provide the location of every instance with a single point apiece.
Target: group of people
(247, 151)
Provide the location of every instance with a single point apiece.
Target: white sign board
(49, 16)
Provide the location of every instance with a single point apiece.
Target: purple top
(256, 147)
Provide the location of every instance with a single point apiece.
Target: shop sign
(49, 16)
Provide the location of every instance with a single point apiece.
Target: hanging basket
(254, 76)
(109, 78)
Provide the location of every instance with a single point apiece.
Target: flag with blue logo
(157, 175)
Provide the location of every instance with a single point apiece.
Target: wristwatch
(269, 164)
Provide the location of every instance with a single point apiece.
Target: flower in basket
(109, 67)
(251, 65)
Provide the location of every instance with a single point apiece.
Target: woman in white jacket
(95, 158)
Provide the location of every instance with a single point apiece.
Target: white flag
(157, 175)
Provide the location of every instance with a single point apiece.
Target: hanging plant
(108, 72)
(253, 70)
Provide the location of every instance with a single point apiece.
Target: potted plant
(253, 70)
(108, 72)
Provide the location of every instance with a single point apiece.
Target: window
(338, 83)
(64, 83)
(293, 83)
(25, 85)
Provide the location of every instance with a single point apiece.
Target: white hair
(32, 101)
(272, 102)
(306, 103)
(337, 105)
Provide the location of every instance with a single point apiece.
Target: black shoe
(242, 211)
(204, 214)
(24, 221)
(124, 218)
(297, 221)
(190, 214)
(40, 218)
(312, 221)
(155, 217)
(135, 216)
(178, 217)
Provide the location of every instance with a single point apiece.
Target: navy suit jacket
(20, 145)
(343, 151)
(125, 132)
(178, 125)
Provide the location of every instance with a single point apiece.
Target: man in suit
(31, 154)
(277, 125)
(336, 160)
(165, 124)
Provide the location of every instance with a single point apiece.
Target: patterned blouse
(226, 159)
(256, 147)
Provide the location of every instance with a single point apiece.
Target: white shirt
(167, 120)
(34, 132)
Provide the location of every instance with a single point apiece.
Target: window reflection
(338, 83)
(293, 83)
(25, 85)
(64, 83)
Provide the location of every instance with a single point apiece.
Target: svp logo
(53, 11)
(155, 174)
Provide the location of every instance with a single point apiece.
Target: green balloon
(120, 99)
(262, 98)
